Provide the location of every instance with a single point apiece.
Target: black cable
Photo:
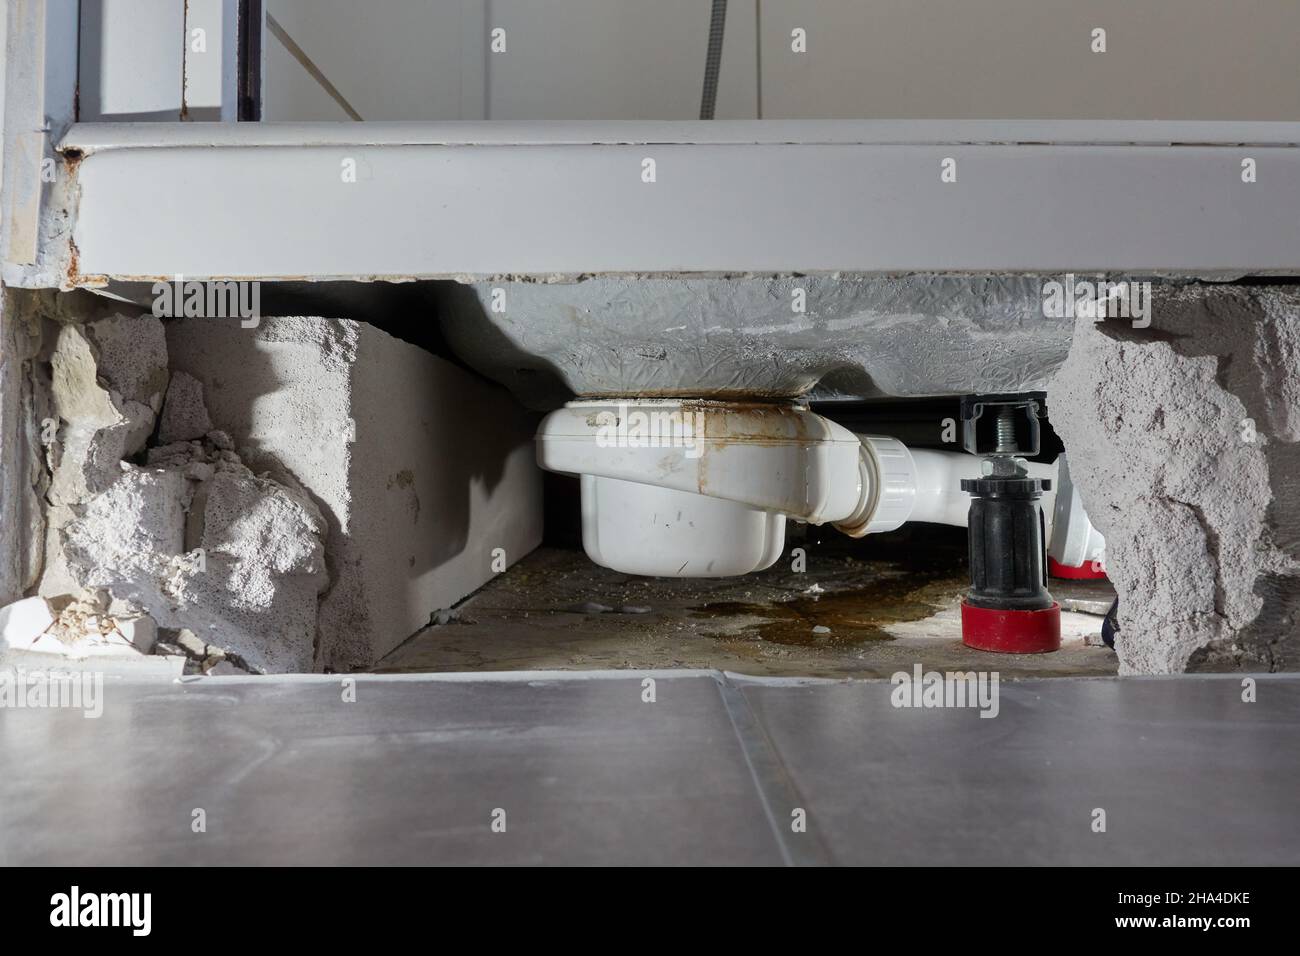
(717, 23)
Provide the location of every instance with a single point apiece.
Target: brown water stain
(854, 616)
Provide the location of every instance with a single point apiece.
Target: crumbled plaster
(185, 417)
(1183, 441)
(183, 531)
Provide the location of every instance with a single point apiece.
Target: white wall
(564, 59)
(617, 59)
(391, 59)
(131, 56)
(1032, 59)
(644, 59)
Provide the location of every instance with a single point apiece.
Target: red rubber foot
(1083, 572)
(1011, 632)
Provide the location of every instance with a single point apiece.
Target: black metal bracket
(979, 430)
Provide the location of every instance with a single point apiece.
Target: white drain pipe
(698, 488)
(703, 489)
(918, 484)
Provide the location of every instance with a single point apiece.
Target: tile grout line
(771, 780)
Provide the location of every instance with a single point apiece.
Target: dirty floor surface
(856, 611)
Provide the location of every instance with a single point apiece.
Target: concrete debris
(191, 536)
(1185, 435)
(190, 643)
(202, 657)
(22, 623)
(132, 357)
(105, 396)
(141, 632)
(224, 669)
(203, 542)
(83, 629)
(100, 425)
(79, 630)
(184, 416)
(221, 440)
